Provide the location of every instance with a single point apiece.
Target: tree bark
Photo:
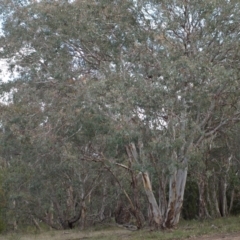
(176, 192)
(104, 198)
(231, 201)
(157, 217)
(162, 197)
(83, 214)
(214, 200)
(70, 202)
(35, 222)
(202, 212)
(222, 196)
(134, 157)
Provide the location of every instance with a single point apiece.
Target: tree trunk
(203, 212)
(213, 188)
(136, 211)
(104, 198)
(157, 217)
(176, 192)
(231, 201)
(134, 157)
(162, 196)
(15, 225)
(70, 203)
(35, 222)
(49, 216)
(222, 196)
(210, 202)
(83, 214)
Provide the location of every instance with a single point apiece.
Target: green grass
(185, 230)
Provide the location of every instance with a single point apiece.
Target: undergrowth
(185, 230)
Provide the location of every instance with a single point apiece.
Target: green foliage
(95, 76)
(191, 198)
(3, 203)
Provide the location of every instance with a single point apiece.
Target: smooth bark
(157, 217)
(176, 192)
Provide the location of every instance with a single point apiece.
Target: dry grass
(185, 230)
(68, 235)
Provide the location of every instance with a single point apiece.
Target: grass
(185, 230)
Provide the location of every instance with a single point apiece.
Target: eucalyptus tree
(179, 84)
(46, 147)
(222, 164)
(163, 76)
(50, 122)
(55, 50)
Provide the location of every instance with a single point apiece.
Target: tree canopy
(119, 91)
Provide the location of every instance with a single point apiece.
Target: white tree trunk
(176, 192)
(152, 200)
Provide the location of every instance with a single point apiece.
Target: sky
(4, 73)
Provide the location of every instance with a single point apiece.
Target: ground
(107, 235)
(233, 236)
(212, 229)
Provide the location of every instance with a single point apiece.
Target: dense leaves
(110, 90)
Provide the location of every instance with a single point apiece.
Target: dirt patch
(222, 236)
